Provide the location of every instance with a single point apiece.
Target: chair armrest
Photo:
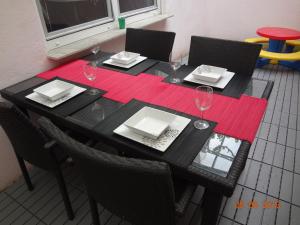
(186, 196)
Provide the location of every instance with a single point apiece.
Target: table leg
(276, 45)
(211, 207)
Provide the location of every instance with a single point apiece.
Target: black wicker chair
(139, 191)
(153, 44)
(236, 56)
(31, 145)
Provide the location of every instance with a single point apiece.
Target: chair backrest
(236, 56)
(27, 140)
(150, 43)
(139, 191)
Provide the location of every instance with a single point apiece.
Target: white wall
(22, 45)
(239, 19)
(22, 54)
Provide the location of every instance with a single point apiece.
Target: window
(128, 7)
(61, 17)
(67, 21)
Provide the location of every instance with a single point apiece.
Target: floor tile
(289, 159)
(286, 189)
(256, 213)
(296, 188)
(274, 183)
(283, 213)
(279, 156)
(295, 215)
(243, 213)
(264, 178)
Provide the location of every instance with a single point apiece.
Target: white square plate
(163, 141)
(223, 81)
(126, 66)
(150, 122)
(209, 73)
(54, 90)
(51, 104)
(125, 57)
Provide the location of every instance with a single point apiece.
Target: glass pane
(94, 113)
(61, 14)
(130, 5)
(256, 88)
(217, 154)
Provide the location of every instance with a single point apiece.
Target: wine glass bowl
(89, 72)
(175, 65)
(203, 100)
(98, 111)
(95, 50)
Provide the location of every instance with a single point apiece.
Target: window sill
(76, 47)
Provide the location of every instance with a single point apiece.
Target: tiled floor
(271, 175)
(44, 205)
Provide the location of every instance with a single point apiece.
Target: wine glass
(203, 100)
(175, 65)
(89, 72)
(98, 111)
(95, 51)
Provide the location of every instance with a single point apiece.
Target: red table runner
(239, 118)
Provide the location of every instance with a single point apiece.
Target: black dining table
(96, 117)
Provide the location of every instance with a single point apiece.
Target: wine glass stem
(92, 84)
(202, 111)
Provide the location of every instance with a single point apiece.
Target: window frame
(76, 28)
(137, 11)
(89, 31)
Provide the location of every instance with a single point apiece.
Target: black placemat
(70, 106)
(180, 153)
(99, 57)
(235, 88)
(135, 70)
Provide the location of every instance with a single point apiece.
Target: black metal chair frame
(112, 170)
(49, 147)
